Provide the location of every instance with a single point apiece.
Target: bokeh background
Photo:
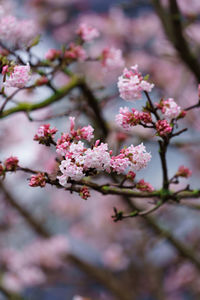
(130, 250)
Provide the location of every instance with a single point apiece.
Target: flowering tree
(85, 153)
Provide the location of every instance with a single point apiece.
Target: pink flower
(63, 144)
(144, 186)
(70, 170)
(52, 54)
(183, 172)
(112, 58)
(75, 52)
(86, 133)
(131, 84)
(126, 119)
(170, 109)
(119, 163)
(17, 33)
(19, 77)
(163, 127)
(8, 25)
(11, 163)
(87, 33)
(38, 180)
(97, 158)
(45, 134)
(138, 156)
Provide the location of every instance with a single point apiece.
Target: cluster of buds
(163, 128)
(126, 118)
(75, 52)
(144, 186)
(38, 180)
(53, 54)
(45, 135)
(9, 165)
(183, 172)
(84, 193)
(130, 176)
(131, 84)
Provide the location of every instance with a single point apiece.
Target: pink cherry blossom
(119, 163)
(75, 52)
(112, 58)
(170, 109)
(86, 133)
(17, 33)
(52, 54)
(138, 156)
(44, 131)
(19, 77)
(183, 172)
(97, 158)
(69, 170)
(131, 84)
(87, 33)
(126, 119)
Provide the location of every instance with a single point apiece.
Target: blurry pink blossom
(87, 32)
(131, 84)
(75, 52)
(183, 172)
(52, 54)
(11, 163)
(112, 58)
(144, 186)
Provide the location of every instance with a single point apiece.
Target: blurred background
(142, 261)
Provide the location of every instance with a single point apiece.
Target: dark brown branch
(94, 105)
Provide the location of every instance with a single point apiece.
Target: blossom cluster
(64, 142)
(126, 118)
(18, 76)
(79, 161)
(87, 33)
(163, 127)
(112, 58)
(183, 172)
(170, 109)
(144, 186)
(45, 134)
(131, 84)
(17, 33)
(38, 180)
(10, 164)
